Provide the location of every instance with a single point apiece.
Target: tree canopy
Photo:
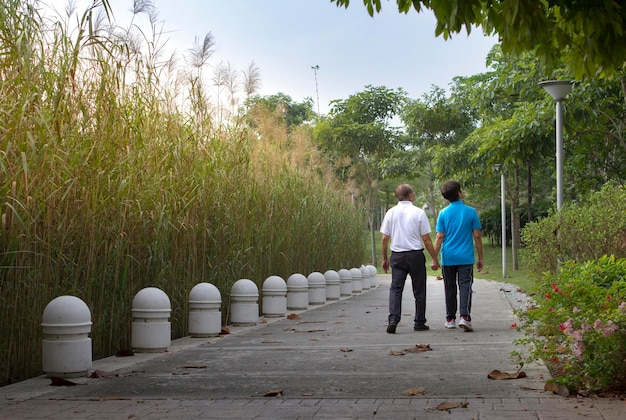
(588, 36)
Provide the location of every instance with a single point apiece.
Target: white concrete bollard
(365, 273)
(357, 280)
(297, 292)
(66, 346)
(274, 297)
(373, 275)
(151, 331)
(244, 303)
(345, 282)
(205, 317)
(333, 285)
(317, 288)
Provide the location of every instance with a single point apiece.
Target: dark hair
(403, 191)
(451, 190)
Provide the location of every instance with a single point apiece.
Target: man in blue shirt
(458, 230)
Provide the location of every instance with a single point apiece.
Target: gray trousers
(411, 263)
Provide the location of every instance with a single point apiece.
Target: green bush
(578, 327)
(581, 232)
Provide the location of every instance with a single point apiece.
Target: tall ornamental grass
(115, 175)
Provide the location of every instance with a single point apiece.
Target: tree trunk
(431, 189)
(529, 191)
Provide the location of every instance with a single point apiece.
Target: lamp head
(558, 89)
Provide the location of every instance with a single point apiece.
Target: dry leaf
(556, 389)
(439, 278)
(224, 331)
(194, 367)
(346, 350)
(450, 405)
(274, 393)
(418, 348)
(293, 316)
(396, 353)
(498, 375)
(414, 391)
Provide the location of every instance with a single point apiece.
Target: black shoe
(423, 327)
(391, 328)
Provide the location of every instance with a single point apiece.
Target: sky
(287, 38)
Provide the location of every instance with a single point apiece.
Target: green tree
(435, 124)
(356, 136)
(588, 35)
(283, 106)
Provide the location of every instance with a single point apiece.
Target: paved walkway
(332, 361)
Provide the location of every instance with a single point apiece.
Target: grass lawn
(492, 269)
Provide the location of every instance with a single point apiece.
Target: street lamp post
(558, 89)
(500, 168)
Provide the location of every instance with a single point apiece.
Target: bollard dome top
(356, 273)
(205, 292)
(244, 287)
(316, 278)
(66, 311)
(331, 275)
(274, 283)
(297, 280)
(151, 298)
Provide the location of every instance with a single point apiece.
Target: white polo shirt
(405, 223)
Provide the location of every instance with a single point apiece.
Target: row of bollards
(66, 347)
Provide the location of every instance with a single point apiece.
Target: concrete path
(331, 361)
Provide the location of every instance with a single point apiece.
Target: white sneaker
(466, 325)
(450, 324)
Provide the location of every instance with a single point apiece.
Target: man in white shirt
(407, 228)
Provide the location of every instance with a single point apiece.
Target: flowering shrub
(578, 325)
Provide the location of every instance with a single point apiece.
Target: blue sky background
(285, 38)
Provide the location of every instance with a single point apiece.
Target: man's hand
(385, 265)
(435, 266)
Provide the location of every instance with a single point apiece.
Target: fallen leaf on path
(498, 375)
(450, 405)
(414, 391)
(345, 350)
(439, 278)
(293, 316)
(418, 348)
(224, 331)
(557, 389)
(274, 393)
(193, 367)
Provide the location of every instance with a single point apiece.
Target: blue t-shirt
(457, 222)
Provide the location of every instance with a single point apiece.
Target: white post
(503, 211)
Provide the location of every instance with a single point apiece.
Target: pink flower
(513, 325)
(575, 309)
(622, 306)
